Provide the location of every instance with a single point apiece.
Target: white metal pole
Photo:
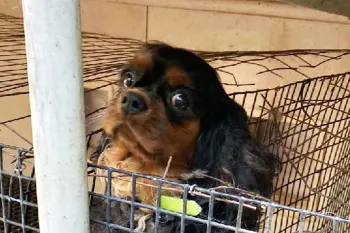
(53, 44)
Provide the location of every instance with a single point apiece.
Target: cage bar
(53, 46)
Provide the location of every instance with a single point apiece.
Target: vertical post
(53, 45)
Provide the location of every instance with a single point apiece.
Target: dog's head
(170, 103)
(164, 93)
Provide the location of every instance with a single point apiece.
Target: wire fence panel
(19, 209)
(305, 121)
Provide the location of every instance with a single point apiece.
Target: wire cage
(305, 122)
(330, 223)
(19, 208)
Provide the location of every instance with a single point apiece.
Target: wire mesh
(19, 209)
(104, 221)
(305, 122)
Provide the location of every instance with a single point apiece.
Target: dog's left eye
(129, 79)
(180, 101)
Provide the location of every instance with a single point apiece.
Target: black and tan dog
(171, 104)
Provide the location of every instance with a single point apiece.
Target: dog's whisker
(96, 115)
(94, 120)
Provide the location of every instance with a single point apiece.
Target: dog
(171, 106)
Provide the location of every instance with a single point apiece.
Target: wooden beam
(269, 8)
(340, 7)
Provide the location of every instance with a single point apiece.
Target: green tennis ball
(175, 204)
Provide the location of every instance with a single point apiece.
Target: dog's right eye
(128, 79)
(180, 101)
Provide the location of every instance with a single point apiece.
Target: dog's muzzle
(133, 103)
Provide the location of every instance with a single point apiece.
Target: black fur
(225, 148)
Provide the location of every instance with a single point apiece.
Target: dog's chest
(146, 189)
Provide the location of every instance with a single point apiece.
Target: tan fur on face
(143, 143)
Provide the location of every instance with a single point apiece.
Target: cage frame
(57, 109)
(335, 219)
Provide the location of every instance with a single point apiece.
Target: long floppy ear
(227, 151)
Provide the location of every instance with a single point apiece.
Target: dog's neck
(118, 156)
(123, 150)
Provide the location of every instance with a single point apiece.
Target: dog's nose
(133, 103)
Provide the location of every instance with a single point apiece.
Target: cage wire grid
(306, 123)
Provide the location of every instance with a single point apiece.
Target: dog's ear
(255, 168)
(227, 151)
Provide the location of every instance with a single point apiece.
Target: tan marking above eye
(177, 77)
(142, 61)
